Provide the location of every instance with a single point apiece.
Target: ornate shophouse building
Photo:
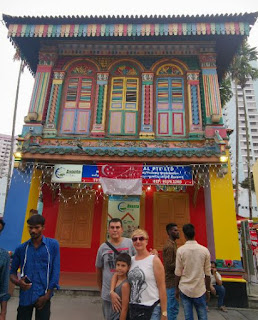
(125, 121)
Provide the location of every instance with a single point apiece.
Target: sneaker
(223, 309)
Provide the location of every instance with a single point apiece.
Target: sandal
(223, 308)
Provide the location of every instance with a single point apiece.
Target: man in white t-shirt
(217, 287)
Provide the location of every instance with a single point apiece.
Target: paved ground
(89, 308)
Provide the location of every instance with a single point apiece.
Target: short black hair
(214, 262)
(33, 211)
(36, 219)
(2, 223)
(115, 220)
(170, 226)
(189, 231)
(124, 257)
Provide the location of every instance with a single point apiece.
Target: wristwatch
(164, 313)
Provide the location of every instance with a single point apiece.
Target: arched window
(78, 101)
(124, 100)
(170, 102)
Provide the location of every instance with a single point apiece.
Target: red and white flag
(120, 178)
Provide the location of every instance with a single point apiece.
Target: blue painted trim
(15, 210)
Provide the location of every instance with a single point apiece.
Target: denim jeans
(156, 314)
(172, 304)
(198, 303)
(220, 291)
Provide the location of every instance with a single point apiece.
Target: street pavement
(67, 307)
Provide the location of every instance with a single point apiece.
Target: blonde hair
(140, 232)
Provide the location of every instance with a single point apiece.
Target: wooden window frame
(124, 110)
(170, 111)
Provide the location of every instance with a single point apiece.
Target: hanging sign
(167, 175)
(67, 173)
(126, 208)
(158, 175)
(90, 174)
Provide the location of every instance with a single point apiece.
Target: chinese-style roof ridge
(251, 17)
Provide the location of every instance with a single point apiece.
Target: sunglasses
(141, 238)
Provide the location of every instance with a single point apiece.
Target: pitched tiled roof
(227, 30)
(248, 17)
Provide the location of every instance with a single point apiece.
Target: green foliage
(244, 183)
(241, 68)
(225, 91)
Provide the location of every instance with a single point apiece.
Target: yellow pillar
(224, 216)
(32, 201)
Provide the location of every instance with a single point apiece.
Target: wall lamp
(223, 159)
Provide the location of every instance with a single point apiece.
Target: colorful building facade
(126, 91)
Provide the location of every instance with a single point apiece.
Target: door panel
(74, 223)
(169, 207)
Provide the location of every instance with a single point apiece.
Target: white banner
(121, 186)
(67, 173)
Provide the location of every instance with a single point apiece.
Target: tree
(245, 184)
(225, 91)
(241, 71)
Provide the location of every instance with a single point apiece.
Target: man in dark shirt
(169, 258)
(39, 260)
(4, 277)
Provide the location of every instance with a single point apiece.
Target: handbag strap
(156, 303)
(113, 248)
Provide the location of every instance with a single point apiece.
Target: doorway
(169, 207)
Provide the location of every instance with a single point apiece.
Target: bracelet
(208, 291)
(111, 291)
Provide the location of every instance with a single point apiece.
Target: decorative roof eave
(128, 30)
(79, 158)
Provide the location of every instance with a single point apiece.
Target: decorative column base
(147, 135)
(49, 131)
(98, 130)
(197, 135)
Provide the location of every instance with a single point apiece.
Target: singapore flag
(121, 178)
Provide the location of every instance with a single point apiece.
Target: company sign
(67, 173)
(158, 175)
(126, 208)
(167, 175)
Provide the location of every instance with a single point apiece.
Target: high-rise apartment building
(229, 114)
(5, 149)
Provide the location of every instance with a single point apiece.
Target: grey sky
(9, 68)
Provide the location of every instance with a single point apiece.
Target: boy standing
(105, 264)
(121, 286)
(39, 260)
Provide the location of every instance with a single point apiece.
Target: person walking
(39, 261)
(106, 264)
(4, 277)
(193, 275)
(169, 259)
(148, 300)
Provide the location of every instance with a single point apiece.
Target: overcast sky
(9, 69)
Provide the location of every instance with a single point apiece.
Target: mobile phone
(27, 280)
